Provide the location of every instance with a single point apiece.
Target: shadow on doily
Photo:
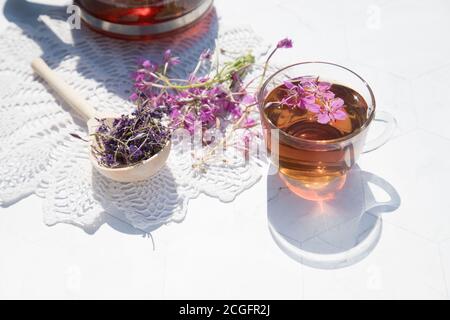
(138, 208)
(107, 60)
(334, 233)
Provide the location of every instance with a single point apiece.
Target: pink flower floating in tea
(315, 96)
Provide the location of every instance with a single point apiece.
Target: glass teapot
(141, 19)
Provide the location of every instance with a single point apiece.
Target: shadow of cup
(331, 233)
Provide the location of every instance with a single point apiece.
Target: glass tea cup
(316, 168)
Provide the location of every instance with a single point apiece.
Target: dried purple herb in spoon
(129, 139)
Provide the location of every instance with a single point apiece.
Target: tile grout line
(430, 71)
(433, 133)
(437, 243)
(412, 232)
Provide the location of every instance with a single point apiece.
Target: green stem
(266, 65)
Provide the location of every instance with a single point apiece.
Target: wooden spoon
(132, 173)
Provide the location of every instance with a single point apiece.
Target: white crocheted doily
(37, 154)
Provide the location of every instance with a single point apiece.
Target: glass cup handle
(390, 125)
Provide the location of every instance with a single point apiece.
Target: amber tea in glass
(309, 154)
(302, 123)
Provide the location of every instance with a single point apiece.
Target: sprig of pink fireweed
(218, 98)
(315, 96)
(221, 95)
(285, 43)
(216, 95)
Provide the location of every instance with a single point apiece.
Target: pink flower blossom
(249, 122)
(169, 59)
(139, 76)
(307, 99)
(206, 55)
(332, 110)
(189, 122)
(285, 43)
(134, 96)
(207, 116)
(248, 99)
(315, 96)
(289, 85)
(236, 111)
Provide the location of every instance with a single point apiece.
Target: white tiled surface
(402, 266)
(226, 250)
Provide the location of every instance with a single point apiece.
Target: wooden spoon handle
(62, 89)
